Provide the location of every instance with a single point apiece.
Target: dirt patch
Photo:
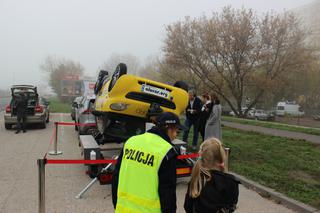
(301, 175)
(304, 121)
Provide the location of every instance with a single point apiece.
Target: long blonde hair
(212, 156)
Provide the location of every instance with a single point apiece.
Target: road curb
(276, 196)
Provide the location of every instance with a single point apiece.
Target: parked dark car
(38, 111)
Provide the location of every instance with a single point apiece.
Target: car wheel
(7, 126)
(181, 84)
(101, 78)
(43, 125)
(120, 70)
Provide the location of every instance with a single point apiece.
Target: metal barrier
(55, 151)
(42, 163)
(42, 190)
(226, 164)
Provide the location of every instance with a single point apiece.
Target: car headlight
(119, 106)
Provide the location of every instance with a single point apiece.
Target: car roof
(23, 86)
(91, 97)
(78, 98)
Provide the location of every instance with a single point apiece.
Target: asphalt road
(19, 177)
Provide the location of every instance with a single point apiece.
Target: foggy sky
(90, 31)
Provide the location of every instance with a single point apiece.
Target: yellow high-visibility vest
(138, 177)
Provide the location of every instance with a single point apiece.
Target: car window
(42, 101)
(91, 104)
(85, 104)
(78, 99)
(83, 101)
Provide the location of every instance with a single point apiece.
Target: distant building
(72, 86)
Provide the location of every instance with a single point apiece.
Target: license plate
(155, 91)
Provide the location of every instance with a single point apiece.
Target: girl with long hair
(211, 189)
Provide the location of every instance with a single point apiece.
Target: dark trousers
(21, 125)
(202, 129)
(188, 123)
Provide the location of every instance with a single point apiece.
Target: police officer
(144, 179)
(21, 107)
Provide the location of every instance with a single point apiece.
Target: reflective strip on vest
(138, 178)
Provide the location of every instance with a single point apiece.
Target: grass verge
(274, 125)
(57, 106)
(291, 167)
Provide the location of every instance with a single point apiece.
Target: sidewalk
(275, 132)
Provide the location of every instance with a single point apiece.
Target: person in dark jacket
(21, 105)
(192, 118)
(164, 132)
(211, 190)
(204, 113)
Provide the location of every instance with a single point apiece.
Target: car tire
(101, 78)
(43, 125)
(181, 84)
(8, 126)
(120, 70)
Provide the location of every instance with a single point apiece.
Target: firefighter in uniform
(144, 179)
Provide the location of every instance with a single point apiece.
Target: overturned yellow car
(124, 102)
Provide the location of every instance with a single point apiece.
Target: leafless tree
(57, 69)
(132, 62)
(151, 69)
(236, 53)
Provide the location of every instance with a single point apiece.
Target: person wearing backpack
(211, 190)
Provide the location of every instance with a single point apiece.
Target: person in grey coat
(213, 126)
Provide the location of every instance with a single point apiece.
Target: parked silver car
(83, 115)
(37, 107)
(260, 114)
(75, 105)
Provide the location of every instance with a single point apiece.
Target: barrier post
(55, 151)
(41, 174)
(226, 164)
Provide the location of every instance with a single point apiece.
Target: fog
(90, 31)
